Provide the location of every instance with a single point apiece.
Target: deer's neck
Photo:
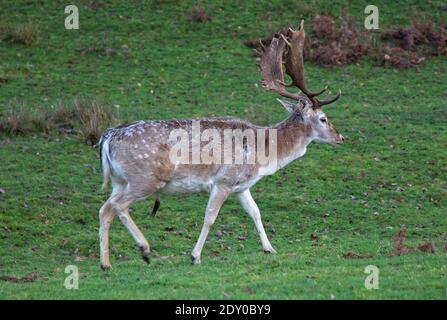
(293, 138)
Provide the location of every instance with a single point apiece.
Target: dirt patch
(400, 248)
(313, 237)
(426, 247)
(398, 241)
(198, 14)
(30, 277)
(354, 255)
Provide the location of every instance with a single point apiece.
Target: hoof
(270, 250)
(195, 260)
(105, 267)
(145, 253)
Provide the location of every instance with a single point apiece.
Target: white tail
(105, 164)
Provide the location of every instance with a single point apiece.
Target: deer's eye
(323, 120)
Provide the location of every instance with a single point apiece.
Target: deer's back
(140, 152)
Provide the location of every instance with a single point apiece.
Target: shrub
(19, 121)
(26, 34)
(94, 118)
(89, 116)
(337, 44)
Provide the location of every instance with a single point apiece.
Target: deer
(137, 158)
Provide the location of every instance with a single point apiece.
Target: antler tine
(295, 66)
(321, 103)
(271, 69)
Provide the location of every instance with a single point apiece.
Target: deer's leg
(121, 203)
(250, 206)
(216, 199)
(106, 216)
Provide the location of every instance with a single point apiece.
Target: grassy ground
(390, 172)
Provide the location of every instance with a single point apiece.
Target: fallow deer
(137, 157)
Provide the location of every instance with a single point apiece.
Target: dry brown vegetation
(30, 277)
(337, 45)
(354, 255)
(105, 50)
(398, 241)
(198, 14)
(341, 42)
(407, 47)
(86, 116)
(426, 247)
(26, 34)
(400, 248)
(94, 118)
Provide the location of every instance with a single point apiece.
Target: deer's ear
(290, 107)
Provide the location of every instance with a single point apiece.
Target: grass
(391, 171)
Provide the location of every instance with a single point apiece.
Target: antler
(271, 67)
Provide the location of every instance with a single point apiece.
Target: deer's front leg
(249, 205)
(217, 197)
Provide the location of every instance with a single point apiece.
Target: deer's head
(289, 43)
(321, 129)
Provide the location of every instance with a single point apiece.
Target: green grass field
(391, 171)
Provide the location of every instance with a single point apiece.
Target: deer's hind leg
(106, 215)
(121, 203)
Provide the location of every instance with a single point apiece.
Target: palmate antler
(271, 67)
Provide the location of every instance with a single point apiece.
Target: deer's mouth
(340, 139)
